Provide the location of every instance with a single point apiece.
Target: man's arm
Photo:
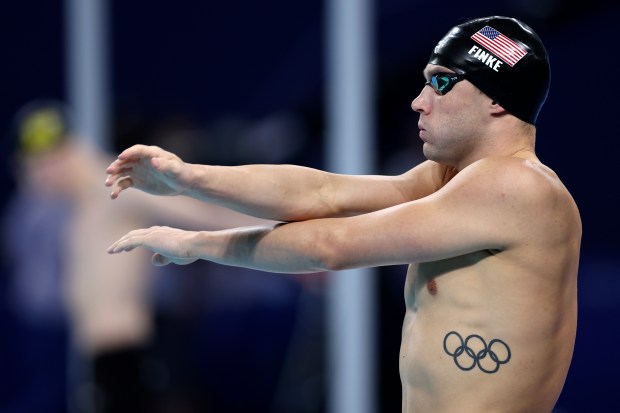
(477, 210)
(276, 192)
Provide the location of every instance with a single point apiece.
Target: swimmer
(491, 235)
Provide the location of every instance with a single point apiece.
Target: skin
(108, 298)
(490, 234)
(107, 301)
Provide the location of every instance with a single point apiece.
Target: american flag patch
(500, 45)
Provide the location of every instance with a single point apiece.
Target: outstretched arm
(466, 215)
(276, 192)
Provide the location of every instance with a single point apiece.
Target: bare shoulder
(513, 178)
(526, 190)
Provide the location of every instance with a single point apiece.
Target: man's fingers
(137, 151)
(140, 238)
(115, 175)
(120, 186)
(120, 246)
(118, 167)
(131, 157)
(128, 241)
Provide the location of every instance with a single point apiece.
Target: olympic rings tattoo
(466, 350)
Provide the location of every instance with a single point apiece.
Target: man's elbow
(330, 251)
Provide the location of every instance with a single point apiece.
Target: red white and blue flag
(500, 45)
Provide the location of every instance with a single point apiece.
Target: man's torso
(494, 331)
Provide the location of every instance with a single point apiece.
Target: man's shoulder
(503, 165)
(513, 175)
(509, 183)
(522, 194)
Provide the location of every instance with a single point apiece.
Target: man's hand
(170, 245)
(149, 169)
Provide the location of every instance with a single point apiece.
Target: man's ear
(496, 109)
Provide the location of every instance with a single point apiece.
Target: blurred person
(491, 235)
(35, 332)
(107, 302)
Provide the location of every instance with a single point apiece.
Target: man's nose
(420, 103)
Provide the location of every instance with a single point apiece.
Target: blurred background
(232, 82)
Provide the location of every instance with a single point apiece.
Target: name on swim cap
(502, 57)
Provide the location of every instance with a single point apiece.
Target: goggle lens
(442, 83)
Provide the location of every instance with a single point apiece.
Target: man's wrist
(197, 182)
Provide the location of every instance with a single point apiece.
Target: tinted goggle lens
(443, 82)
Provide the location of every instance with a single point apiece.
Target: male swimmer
(490, 233)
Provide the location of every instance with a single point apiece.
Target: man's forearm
(280, 248)
(275, 192)
(273, 249)
(296, 193)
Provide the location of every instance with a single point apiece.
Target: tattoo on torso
(474, 351)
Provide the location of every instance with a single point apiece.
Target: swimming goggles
(443, 82)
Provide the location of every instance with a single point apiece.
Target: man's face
(449, 122)
(47, 173)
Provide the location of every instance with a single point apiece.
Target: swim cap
(502, 57)
(41, 126)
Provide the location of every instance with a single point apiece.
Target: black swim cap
(502, 57)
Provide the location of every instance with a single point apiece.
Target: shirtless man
(491, 234)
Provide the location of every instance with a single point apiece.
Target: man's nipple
(431, 286)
